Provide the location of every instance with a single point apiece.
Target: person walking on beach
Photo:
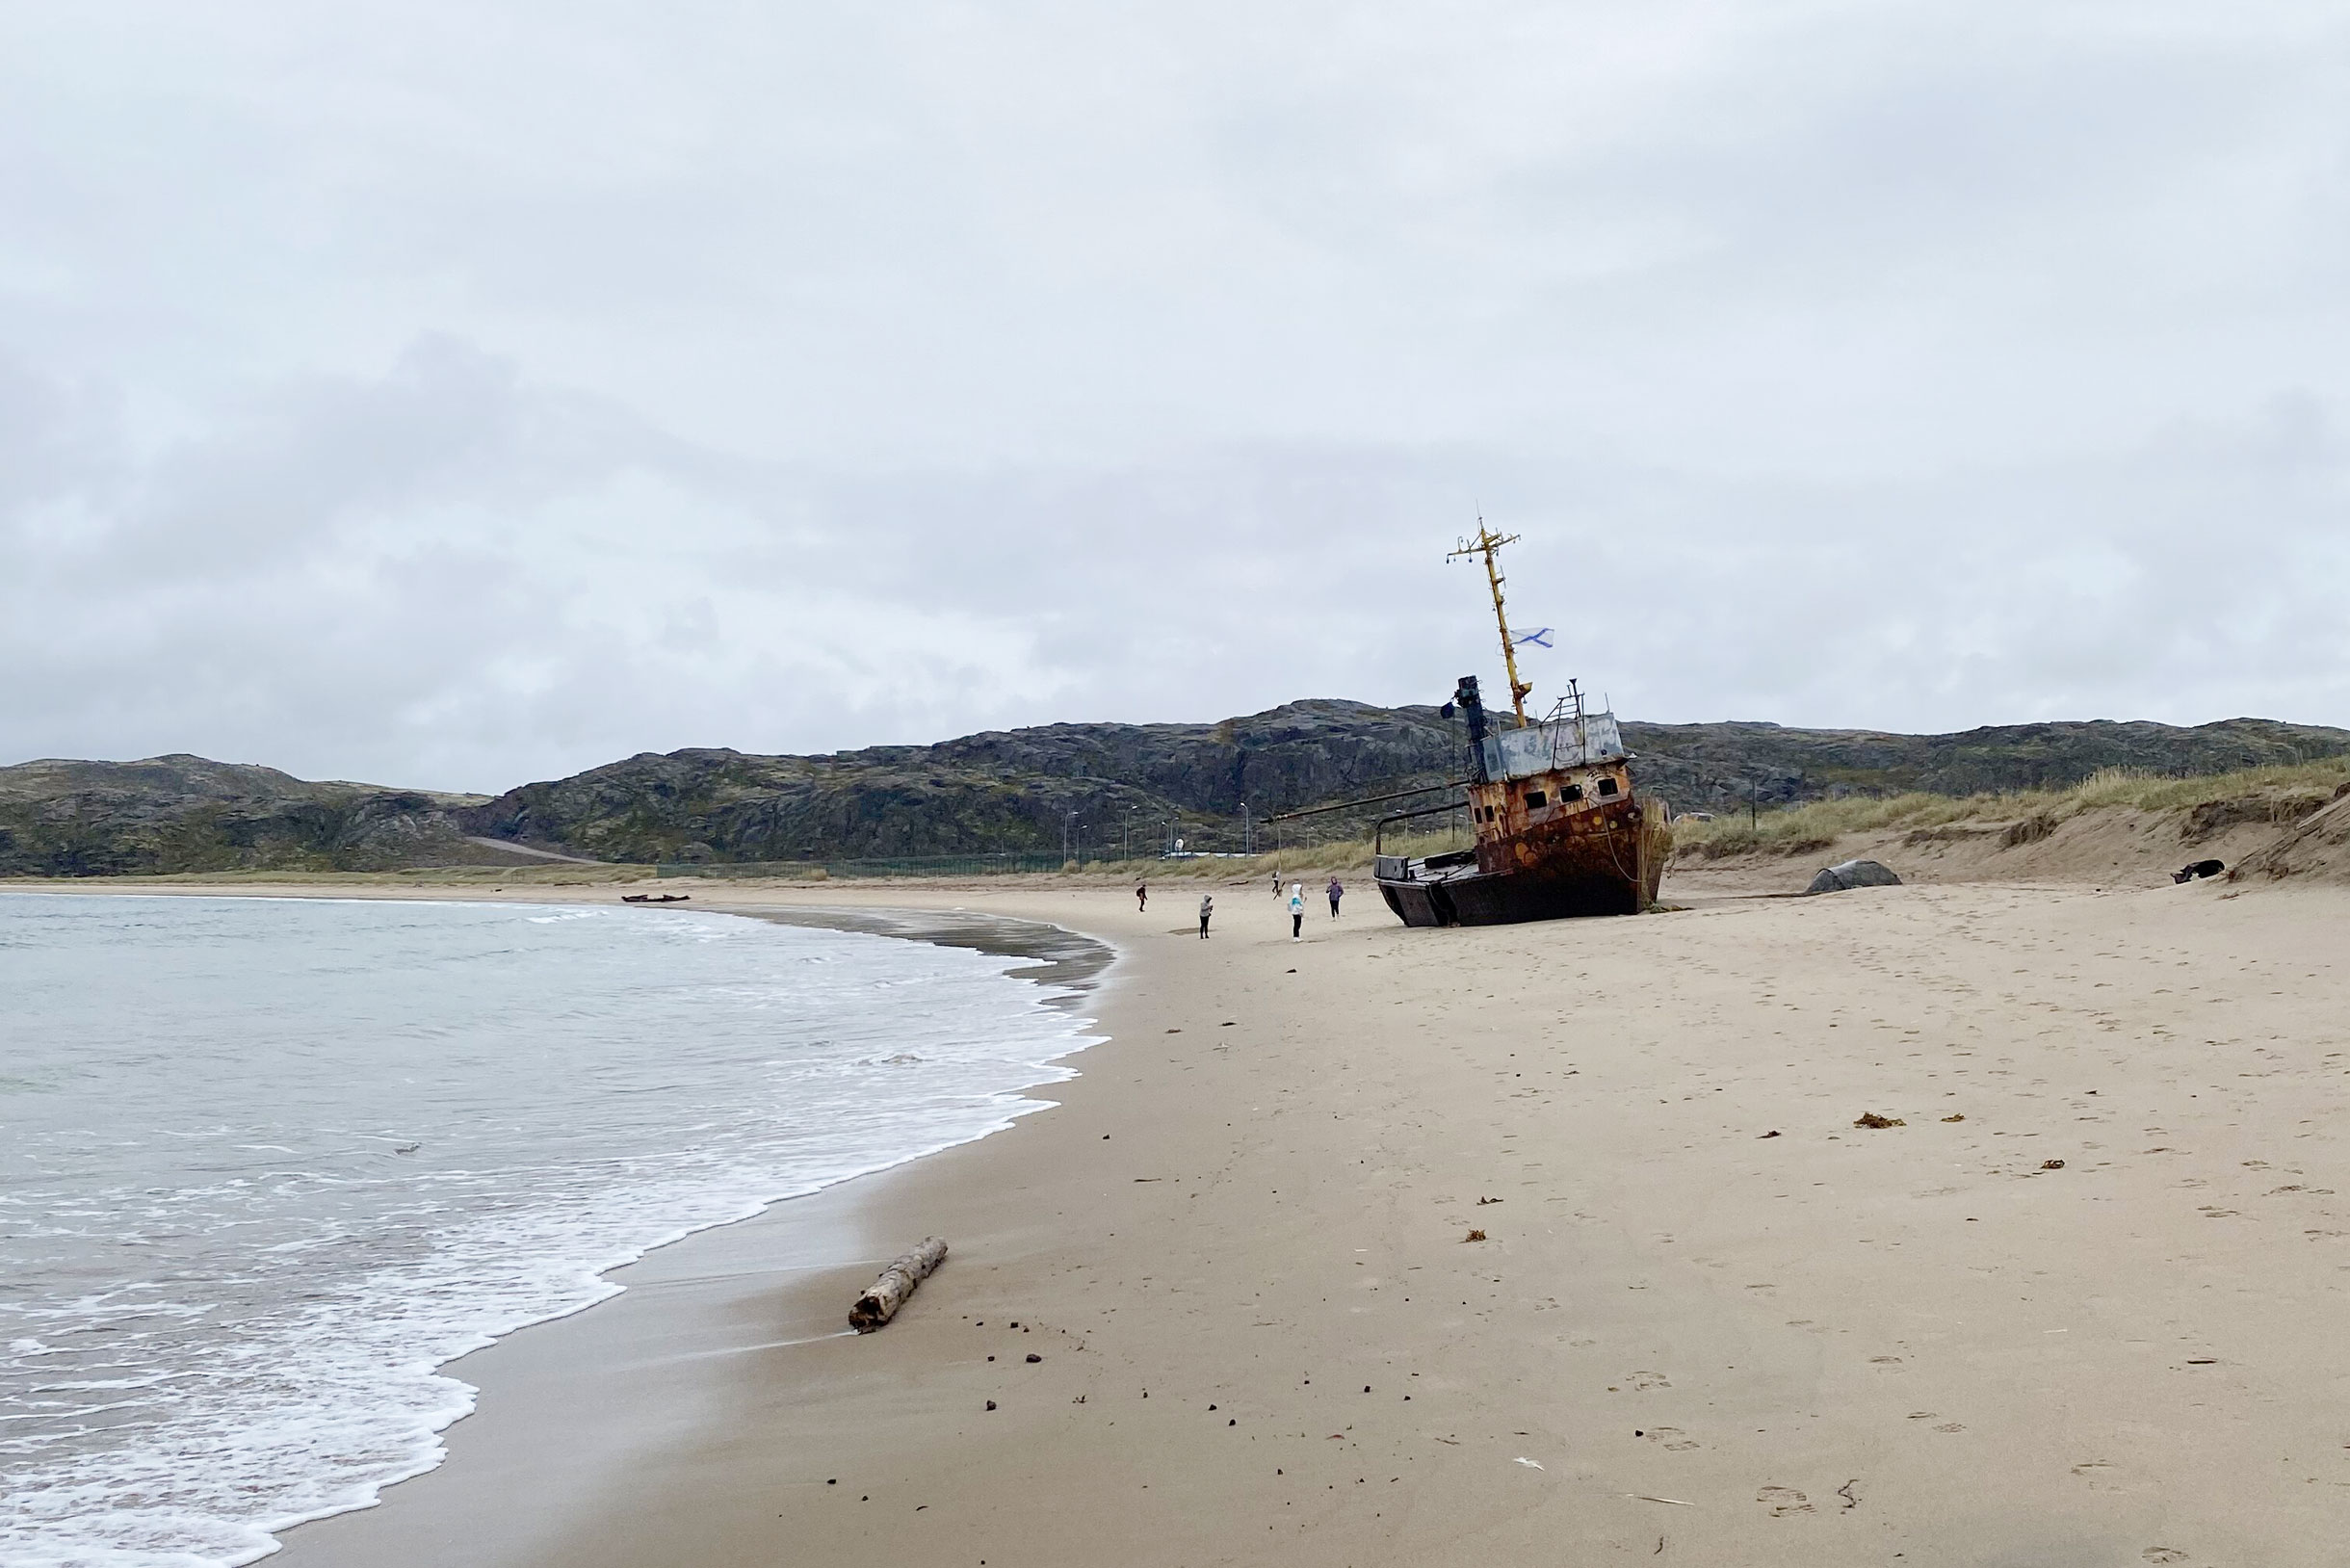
(1143, 897)
(1207, 908)
(1297, 911)
(1337, 891)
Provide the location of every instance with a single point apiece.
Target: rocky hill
(1006, 790)
(189, 814)
(1105, 785)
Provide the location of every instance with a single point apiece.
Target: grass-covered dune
(2120, 823)
(2209, 805)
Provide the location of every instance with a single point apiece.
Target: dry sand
(1240, 1249)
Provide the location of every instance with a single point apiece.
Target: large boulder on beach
(1853, 873)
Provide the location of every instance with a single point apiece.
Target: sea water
(266, 1165)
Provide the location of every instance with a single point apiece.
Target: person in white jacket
(1297, 911)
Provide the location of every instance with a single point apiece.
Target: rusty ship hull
(1605, 861)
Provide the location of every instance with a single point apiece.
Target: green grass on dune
(2280, 792)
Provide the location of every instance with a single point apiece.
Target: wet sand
(1240, 1249)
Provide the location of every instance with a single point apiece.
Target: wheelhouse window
(1573, 791)
(1536, 798)
(1607, 786)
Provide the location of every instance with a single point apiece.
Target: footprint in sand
(1674, 1439)
(2164, 1554)
(1951, 1426)
(1784, 1501)
(1643, 1380)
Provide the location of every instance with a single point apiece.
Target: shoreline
(1066, 966)
(1687, 1339)
(774, 1280)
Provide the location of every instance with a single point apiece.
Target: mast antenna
(1488, 544)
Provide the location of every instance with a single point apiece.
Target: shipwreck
(1557, 824)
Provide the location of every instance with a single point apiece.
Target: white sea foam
(268, 1167)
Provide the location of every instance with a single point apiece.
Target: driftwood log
(885, 1296)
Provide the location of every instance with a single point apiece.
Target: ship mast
(1488, 544)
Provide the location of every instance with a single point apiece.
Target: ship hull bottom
(1507, 898)
(1607, 862)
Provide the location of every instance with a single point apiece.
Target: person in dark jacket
(1337, 891)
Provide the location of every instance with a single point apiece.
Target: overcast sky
(460, 394)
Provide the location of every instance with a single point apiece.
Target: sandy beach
(1821, 530)
(2080, 1307)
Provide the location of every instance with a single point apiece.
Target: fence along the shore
(938, 865)
(1202, 841)
(933, 865)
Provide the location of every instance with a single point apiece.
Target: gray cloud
(457, 395)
